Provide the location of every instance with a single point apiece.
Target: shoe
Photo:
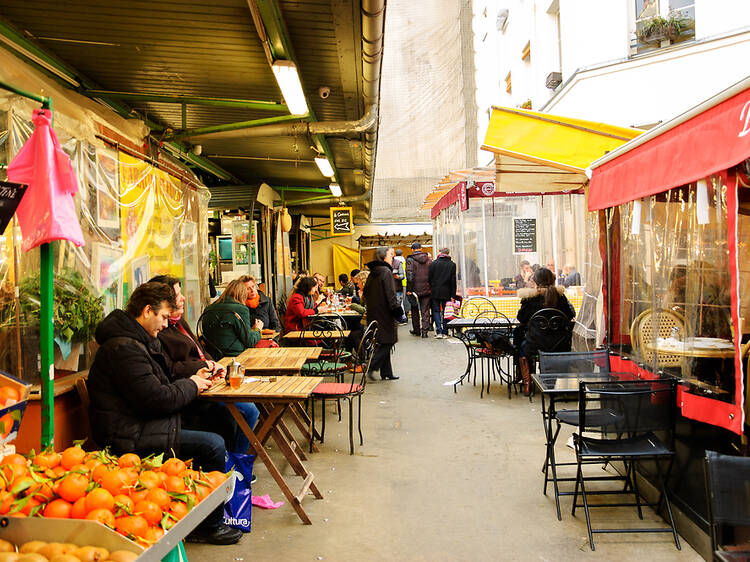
(413, 333)
(391, 378)
(223, 534)
(424, 335)
(371, 375)
(438, 336)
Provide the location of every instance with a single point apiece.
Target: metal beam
(232, 126)
(307, 189)
(186, 99)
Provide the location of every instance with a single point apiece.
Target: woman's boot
(524, 364)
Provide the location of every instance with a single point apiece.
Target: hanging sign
(341, 221)
(524, 235)
(10, 196)
(482, 189)
(463, 195)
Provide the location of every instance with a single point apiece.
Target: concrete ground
(441, 476)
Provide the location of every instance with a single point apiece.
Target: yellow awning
(542, 153)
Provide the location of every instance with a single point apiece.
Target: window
(662, 22)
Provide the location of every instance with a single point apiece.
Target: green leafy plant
(657, 28)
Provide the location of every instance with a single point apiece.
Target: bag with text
(238, 509)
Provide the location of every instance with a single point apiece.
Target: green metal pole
(46, 336)
(189, 100)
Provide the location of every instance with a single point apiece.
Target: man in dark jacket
(418, 289)
(442, 279)
(380, 299)
(135, 407)
(260, 306)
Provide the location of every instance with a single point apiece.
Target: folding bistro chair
(489, 344)
(548, 330)
(328, 335)
(643, 409)
(728, 494)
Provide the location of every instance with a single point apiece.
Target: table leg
(263, 455)
(290, 438)
(303, 422)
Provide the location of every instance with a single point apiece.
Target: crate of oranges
(141, 499)
(14, 394)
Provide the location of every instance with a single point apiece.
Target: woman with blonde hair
(226, 323)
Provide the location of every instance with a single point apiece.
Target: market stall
(674, 238)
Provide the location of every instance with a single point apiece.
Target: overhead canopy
(712, 136)
(452, 179)
(542, 153)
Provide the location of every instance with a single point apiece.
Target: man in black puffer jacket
(135, 407)
(418, 289)
(442, 279)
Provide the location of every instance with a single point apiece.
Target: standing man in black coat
(442, 279)
(135, 407)
(418, 289)
(382, 305)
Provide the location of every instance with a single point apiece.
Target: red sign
(482, 189)
(463, 196)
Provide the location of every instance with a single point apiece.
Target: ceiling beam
(186, 99)
(232, 126)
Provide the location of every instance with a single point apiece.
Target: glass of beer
(235, 379)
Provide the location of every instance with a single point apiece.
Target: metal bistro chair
(489, 344)
(328, 335)
(474, 306)
(214, 321)
(728, 494)
(548, 330)
(644, 409)
(571, 362)
(348, 391)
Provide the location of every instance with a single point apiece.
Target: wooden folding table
(272, 399)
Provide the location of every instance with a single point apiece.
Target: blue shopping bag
(238, 509)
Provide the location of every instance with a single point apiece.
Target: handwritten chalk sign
(341, 221)
(10, 196)
(524, 235)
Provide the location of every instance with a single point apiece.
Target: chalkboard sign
(341, 221)
(10, 197)
(524, 235)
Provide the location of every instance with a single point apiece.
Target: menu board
(341, 221)
(524, 235)
(10, 196)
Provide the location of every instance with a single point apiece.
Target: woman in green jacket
(226, 322)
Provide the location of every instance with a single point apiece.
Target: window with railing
(661, 23)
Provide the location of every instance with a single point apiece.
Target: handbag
(238, 508)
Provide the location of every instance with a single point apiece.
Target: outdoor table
(313, 334)
(563, 387)
(334, 314)
(461, 323)
(710, 348)
(270, 361)
(273, 400)
(269, 335)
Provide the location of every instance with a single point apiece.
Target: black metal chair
(728, 494)
(548, 330)
(641, 410)
(489, 344)
(212, 322)
(328, 335)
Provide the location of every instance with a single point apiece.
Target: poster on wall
(107, 190)
(106, 271)
(10, 197)
(524, 235)
(341, 221)
(141, 271)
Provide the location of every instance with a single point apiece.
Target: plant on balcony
(657, 28)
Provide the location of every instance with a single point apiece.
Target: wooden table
(332, 314)
(270, 361)
(269, 335)
(272, 399)
(313, 334)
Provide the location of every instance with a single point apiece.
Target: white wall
(715, 17)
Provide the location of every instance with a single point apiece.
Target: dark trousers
(381, 359)
(420, 306)
(438, 309)
(208, 453)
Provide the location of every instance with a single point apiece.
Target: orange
(173, 467)
(178, 509)
(58, 509)
(21, 485)
(174, 484)
(160, 497)
(73, 487)
(99, 498)
(15, 458)
(154, 534)
(58, 471)
(132, 526)
(31, 504)
(79, 509)
(215, 478)
(138, 495)
(201, 491)
(6, 500)
(41, 491)
(8, 393)
(6, 424)
(49, 459)
(103, 516)
(129, 460)
(149, 479)
(72, 456)
(149, 511)
(98, 472)
(12, 471)
(123, 502)
(115, 481)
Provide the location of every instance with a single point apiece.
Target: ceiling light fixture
(335, 189)
(325, 167)
(287, 77)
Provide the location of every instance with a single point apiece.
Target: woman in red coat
(295, 307)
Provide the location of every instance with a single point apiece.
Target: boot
(524, 364)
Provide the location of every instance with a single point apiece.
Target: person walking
(418, 289)
(399, 278)
(380, 299)
(442, 280)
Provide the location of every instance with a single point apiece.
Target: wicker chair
(651, 324)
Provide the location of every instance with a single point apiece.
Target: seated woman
(544, 295)
(226, 322)
(259, 305)
(296, 309)
(188, 357)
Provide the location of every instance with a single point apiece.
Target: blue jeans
(208, 453)
(438, 309)
(250, 412)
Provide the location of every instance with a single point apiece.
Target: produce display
(141, 498)
(40, 551)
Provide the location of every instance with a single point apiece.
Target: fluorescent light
(291, 88)
(335, 189)
(325, 167)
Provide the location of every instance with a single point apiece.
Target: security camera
(324, 92)
(198, 149)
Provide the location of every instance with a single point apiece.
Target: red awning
(712, 137)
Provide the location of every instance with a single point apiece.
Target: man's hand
(202, 380)
(258, 324)
(216, 368)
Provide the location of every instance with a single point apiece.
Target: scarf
(173, 320)
(253, 303)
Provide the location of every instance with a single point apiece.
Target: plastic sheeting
(137, 221)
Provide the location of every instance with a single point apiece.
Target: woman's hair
(304, 285)
(166, 279)
(381, 253)
(236, 290)
(246, 279)
(361, 276)
(545, 282)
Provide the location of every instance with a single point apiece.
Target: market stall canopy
(452, 179)
(712, 136)
(542, 153)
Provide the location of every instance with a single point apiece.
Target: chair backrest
(637, 407)
(596, 361)
(327, 334)
(363, 357)
(727, 493)
(548, 330)
(651, 324)
(474, 306)
(213, 322)
(494, 333)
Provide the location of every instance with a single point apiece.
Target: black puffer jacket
(266, 313)
(443, 278)
(134, 406)
(417, 273)
(382, 304)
